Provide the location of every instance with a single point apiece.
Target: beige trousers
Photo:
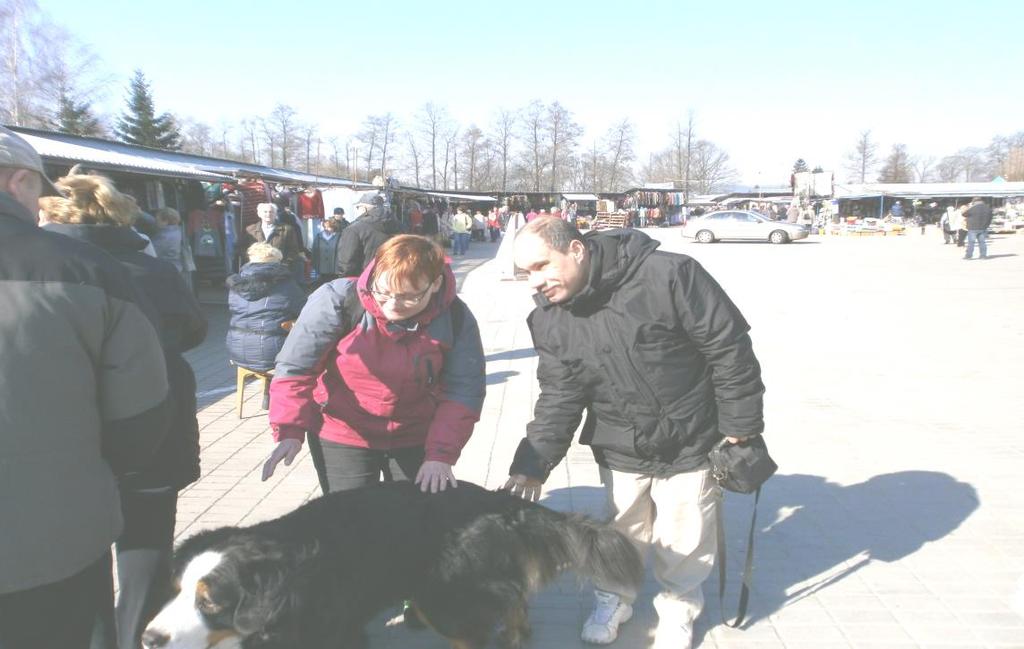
(673, 519)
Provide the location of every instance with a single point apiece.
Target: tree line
(49, 79)
(1003, 157)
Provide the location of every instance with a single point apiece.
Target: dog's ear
(272, 584)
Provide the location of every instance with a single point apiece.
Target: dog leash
(741, 613)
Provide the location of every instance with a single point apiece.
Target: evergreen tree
(140, 124)
(817, 170)
(799, 166)
(76, 118)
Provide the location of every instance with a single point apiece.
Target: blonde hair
(90, 200)
(168, 216)
(263, 252)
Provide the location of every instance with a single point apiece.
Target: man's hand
(524, 486)
(739, 440)
(435, 476)
(287, 450)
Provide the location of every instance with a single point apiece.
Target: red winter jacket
(382, 385)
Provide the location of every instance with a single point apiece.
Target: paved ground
(894, 374)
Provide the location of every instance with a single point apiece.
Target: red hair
(409, 258)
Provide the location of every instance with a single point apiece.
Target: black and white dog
(468, 557)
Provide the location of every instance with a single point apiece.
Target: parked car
(738, 224)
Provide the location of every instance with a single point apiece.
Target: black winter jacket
(655, 352)
(978, 216)
(180, 322)
(359, 241)
(261, 297)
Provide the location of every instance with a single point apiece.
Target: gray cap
(371, 198)
(15, 152)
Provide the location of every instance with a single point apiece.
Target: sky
(768, 82)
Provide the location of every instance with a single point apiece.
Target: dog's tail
(557, 542)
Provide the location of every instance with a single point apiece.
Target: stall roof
(111, 159)
(118, 156)
(928, 190)
(580, 197)
(469, 198)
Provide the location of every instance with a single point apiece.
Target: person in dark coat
(660, 359)
(325, 251)
(360, 240)
(978, 217)
(277, 232)
(97, 213)
(262, 296)
(83, 399)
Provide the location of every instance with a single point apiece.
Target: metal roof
(119, 156)
(580, 197)
(110, 159)
(928, 190)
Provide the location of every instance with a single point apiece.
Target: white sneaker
(602, 627)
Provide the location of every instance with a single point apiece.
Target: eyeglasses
(400, 299)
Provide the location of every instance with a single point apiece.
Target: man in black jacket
(360, 240)
(978, 217)
(651, 347)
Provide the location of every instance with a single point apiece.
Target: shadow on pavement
(814, 533)
(500, 377)
(511, 355)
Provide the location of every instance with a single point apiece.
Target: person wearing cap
(360, 240)
(83, 399)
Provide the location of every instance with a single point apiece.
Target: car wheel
(705, 236)
(778, 236)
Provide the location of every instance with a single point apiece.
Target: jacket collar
(13, 215)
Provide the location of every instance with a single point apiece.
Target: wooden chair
(243, 374)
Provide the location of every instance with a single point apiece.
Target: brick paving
(894, 374)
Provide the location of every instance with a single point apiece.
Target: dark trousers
(340, 467)
(74, 613)
(961, 237)
(948, 236)
(143, 560)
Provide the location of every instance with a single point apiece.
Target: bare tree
(923, 168)
(504, 134)
(196, 137)
(863, 159)
(414, 152)
(473, 145)
(1005, 155)
(533, 125)
(250, 138)
(23, 34)
(312, 149)
(561, 132)
(897, 167)
(433, 121)
(619, 143)
(710, 167)
(592, 165)
(282, 130)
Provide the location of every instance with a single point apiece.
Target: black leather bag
(742, 467)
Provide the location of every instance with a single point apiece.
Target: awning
(468, 198)
(580, 197)
(108, 159)
(100, 154)
(928, 190)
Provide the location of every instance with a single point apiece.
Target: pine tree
(799, 166)
(140, 124)
(76, 118)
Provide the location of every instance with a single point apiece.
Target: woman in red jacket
(384, 371)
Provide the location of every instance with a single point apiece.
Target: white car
(739, 224)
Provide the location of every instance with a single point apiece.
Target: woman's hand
(435, 476)
(287, 450)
